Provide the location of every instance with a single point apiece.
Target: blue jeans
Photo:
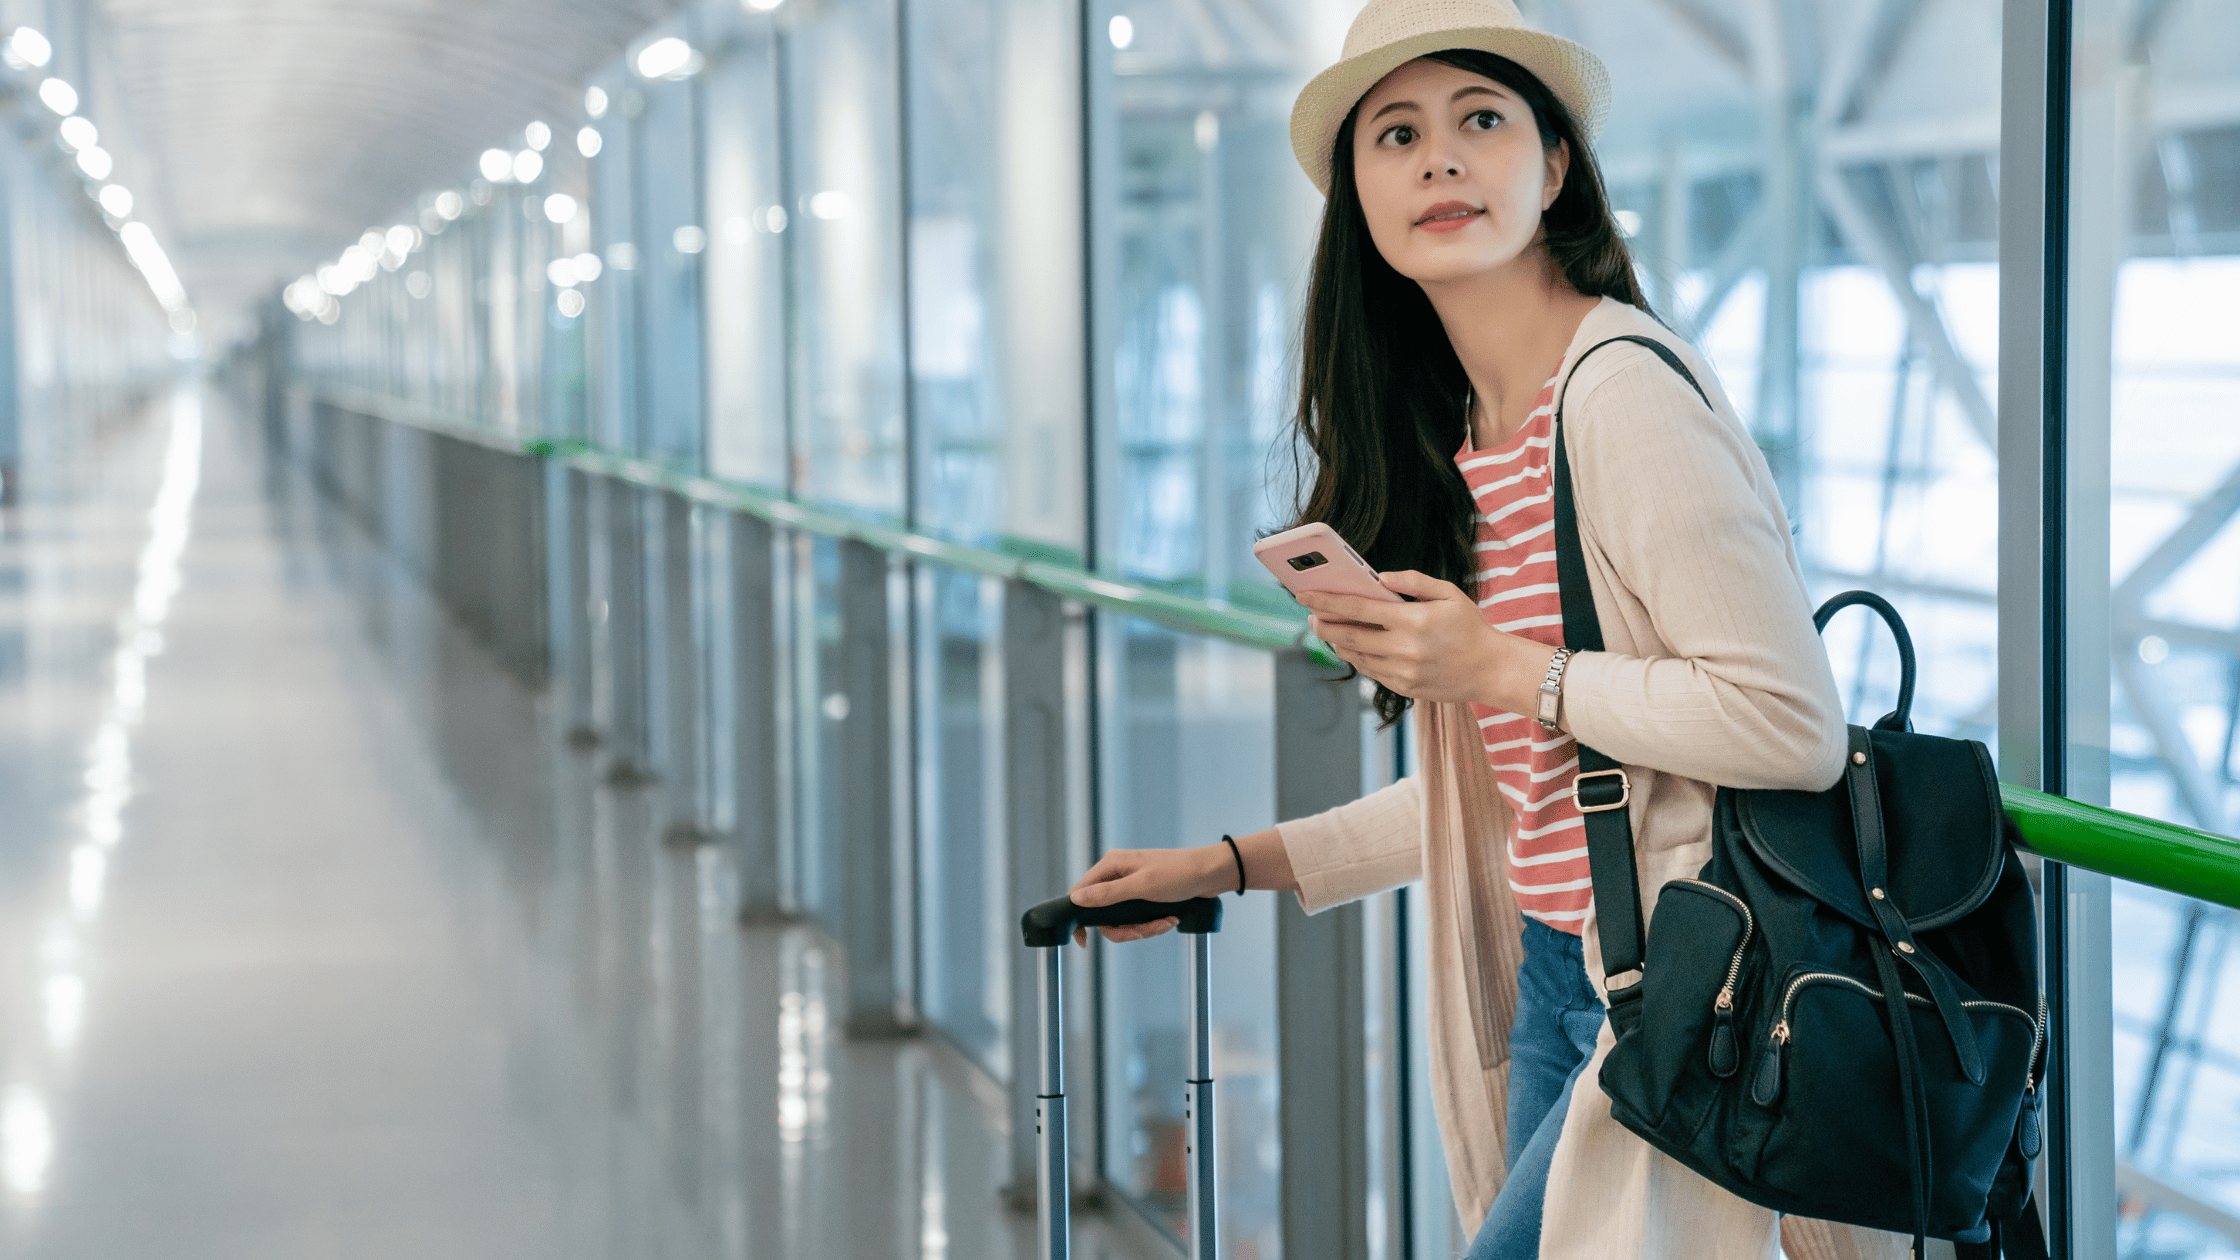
(1558, 1017)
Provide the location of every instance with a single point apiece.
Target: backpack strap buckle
(1579, 786)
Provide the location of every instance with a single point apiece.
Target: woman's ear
(1558, 161)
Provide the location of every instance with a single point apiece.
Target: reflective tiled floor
(315, 941)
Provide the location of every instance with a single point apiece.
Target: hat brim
(1576, 76)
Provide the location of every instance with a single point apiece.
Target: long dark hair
(1381, 391)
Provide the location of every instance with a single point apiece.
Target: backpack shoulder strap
(1601, 788)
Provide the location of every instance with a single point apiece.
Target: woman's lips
(1448, 216)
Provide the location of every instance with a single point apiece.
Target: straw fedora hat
(1390, 33)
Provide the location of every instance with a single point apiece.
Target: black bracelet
(1239, 856)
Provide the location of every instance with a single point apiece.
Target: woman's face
(1452, 176)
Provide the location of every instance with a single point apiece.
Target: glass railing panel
(966, 926)
(1187, 750)
(2154, 474)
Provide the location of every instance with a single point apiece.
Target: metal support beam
(579, 614)
(758, 684)
(873, 883)
(1881, 249)
(1034, 818)
(1737, 258)
(1321, 991)
(2203, 797)
(1780, 76)
(1855, 67)
(629, 727)
(1698, 20)
(2203, 523)
(683, 677)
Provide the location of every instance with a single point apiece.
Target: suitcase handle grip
(1053, 921)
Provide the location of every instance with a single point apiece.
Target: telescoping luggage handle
(1047, 927)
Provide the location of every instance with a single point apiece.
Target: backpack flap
(1941, 820)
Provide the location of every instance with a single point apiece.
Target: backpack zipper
(1789, 996)
(1725, 1050)
(1766, 1087)
(2037, 1041)
(1725, 1000)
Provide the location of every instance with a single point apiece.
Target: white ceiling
(283, 128)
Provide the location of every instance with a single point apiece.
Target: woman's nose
(1440, 166)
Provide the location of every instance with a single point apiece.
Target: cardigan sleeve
(1362, 847)
(1681, 503)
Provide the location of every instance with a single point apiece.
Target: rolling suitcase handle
(1047, 927)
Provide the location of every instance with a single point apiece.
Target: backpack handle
(1900, 719)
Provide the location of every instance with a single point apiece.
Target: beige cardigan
(1712, 674)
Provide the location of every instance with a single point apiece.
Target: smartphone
(1313, 558)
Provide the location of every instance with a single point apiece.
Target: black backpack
(1754, 1042)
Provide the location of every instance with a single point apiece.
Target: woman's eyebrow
(1475, 89)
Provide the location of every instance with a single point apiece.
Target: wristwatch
(1551, 688)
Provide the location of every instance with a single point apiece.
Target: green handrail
(2143, 850)
(1266, 631)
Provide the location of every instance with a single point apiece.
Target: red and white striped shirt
(1516, 574)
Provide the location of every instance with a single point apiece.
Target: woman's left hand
(1438, 648)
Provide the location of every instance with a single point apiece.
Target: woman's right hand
(1152, 875)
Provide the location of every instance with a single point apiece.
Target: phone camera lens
(1311, 560)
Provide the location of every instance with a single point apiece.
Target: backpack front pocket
(1824, 1076)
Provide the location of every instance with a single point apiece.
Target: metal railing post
(683, 677)
(1321, 991)
(629, 727)
(873, 883)
(577, 617)
(758, 682)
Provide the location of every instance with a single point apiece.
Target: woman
(1467, 257)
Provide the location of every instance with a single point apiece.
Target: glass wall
(2154, 469)
(1841, 274)
(745, 300)
(1203, 226)
(996, 391)
(844, 160)
(81, 335)
(615, 305)
(664, 117)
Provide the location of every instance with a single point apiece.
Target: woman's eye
(1483, 120)
(1401, 135)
